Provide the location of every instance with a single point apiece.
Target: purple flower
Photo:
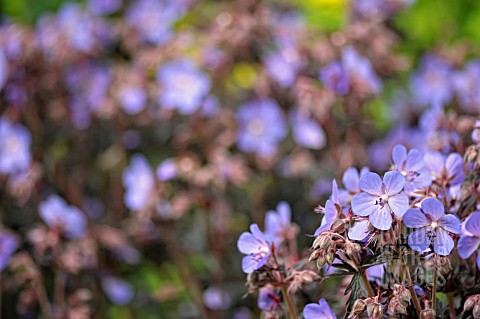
(331, 207)
(432, 223)
(350, 180)
(278, 223)
(476, 129)
(139, 182)
(256, 247)
(307, 132)
(375, 273)
(262, 127)
(167, 170)
(101, 7)
(184, 86)
(283, 66)
(117, 290)
(412, 166)
(132, 99)
(380, 198)
(216, 298)
(268, 299)
(445, 169)
(67, 219)
(15, 142)
(318, 311)
(8, 245)
(470, 239)
(3, 69)
(335, 77)
(431, 83)
(467, 87)
(360, 71)
(359, 231)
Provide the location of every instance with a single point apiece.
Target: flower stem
(292, 309)
(366, 283)
(451, 305)
(434, 291)
(416, 303)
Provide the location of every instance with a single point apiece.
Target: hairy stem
(434, 291)
(451, 305)
(42, 299)
(292, 308)
(416, 303)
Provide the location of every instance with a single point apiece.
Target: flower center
(256, 127)
(434, 225)
(13, 144)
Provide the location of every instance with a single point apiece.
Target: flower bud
(359, 307)
(476, 311)
(352, 247)
(469, 304)
(330, 257)
(321, 262)
(322, 241)
(314, 255)
(427, 314)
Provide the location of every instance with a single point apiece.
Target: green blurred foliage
(28, 11)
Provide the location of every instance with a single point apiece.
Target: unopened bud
(427, 314)
(352, 247)
(322, 241)
(377, 311)
(469, 304)
(314, 255)
(321, 262)
(330, 257)
(476, 311)
(359, 307)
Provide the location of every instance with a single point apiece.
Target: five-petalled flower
(256, 247)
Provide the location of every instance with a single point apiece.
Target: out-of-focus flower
(350, 180)
(360, 71)
(154, 19)
(467, 87)
(262, 127)
(256, 247)
(67, 219)
(101, 7)
(432, 223)
(307, 132)
(216, 298)
(139, 182)
(3, 69)
(167, 170)
(470, 239)
(268, 299)
(278, 223)
(370, 9)
(283, 66)
(183, 86)
(320, 310)
(445, 169)
(133, 99)
(475, 132)
(412, 166)
(15, 142)
(118, 291)
(8, 245)
(431, 83)
(335, 77)
(380, 198)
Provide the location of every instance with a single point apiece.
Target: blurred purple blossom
(432, 223)
(133, 99)
(320, 310)
(256, 247)
(261, 127)
(475, 132)
(15, 142)
(470, 239)
(466, 84)
(360, 71)
(58, 215)
(119, 291)
(216, 298)
(3, 69)
(139, 182)
(412, 166)
(278, 223)
(283, 66)
(445, 169)
(8, 245)
(183, 86)
(380, 198)
(167, 170)
(431, 84)
(335, 77)
(268, 299)
(102, 7)
(307, 132)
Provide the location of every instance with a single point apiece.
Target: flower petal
(335, 196)
(399, 155)
(472, 225)
(257, 233)
(414, 218)
(249, 264)
(359, 231)
(247, 244)
(394, 182)
(434, 161)
(451, 223)
(414, 161)
(381, 219)
(363, 204)
(371, 183)
(454, 166)
(284, 210)
(398, 204)
(433, 207)
(418, 239)
(478, 260)
(443, 243)
(350, 180)
(467, 245)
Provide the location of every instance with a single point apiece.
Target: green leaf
(356, 289)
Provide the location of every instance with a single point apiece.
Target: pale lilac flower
(167, 170)
(376, 273)
(412, 166)
(470, 238)
(15, 140)
(350, 180)
(183, 86)
(278, 223)
(475, 132)
(307, 132)
(467, 86)
(268, 299)
(139, 182)
(283, 66)
(432, 224)
(118, 291)
(380, 198)
(320, 310)
(361, 71)
(262, 127)
(335, 78)
(431, 83)
(216, 298)
(133, 99)
(330, 210)
(8, 245)
(3, 69)
(359, 231)
(256, 247)
(445, 169)
(67, 219)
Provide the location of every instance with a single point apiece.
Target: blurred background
(139, 139)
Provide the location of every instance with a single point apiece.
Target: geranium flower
(470, 239)
(412, 166)
(380, 198)
(57, 214)
(432, 224)
(256, 247)
(278, 223)
(318, 311)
